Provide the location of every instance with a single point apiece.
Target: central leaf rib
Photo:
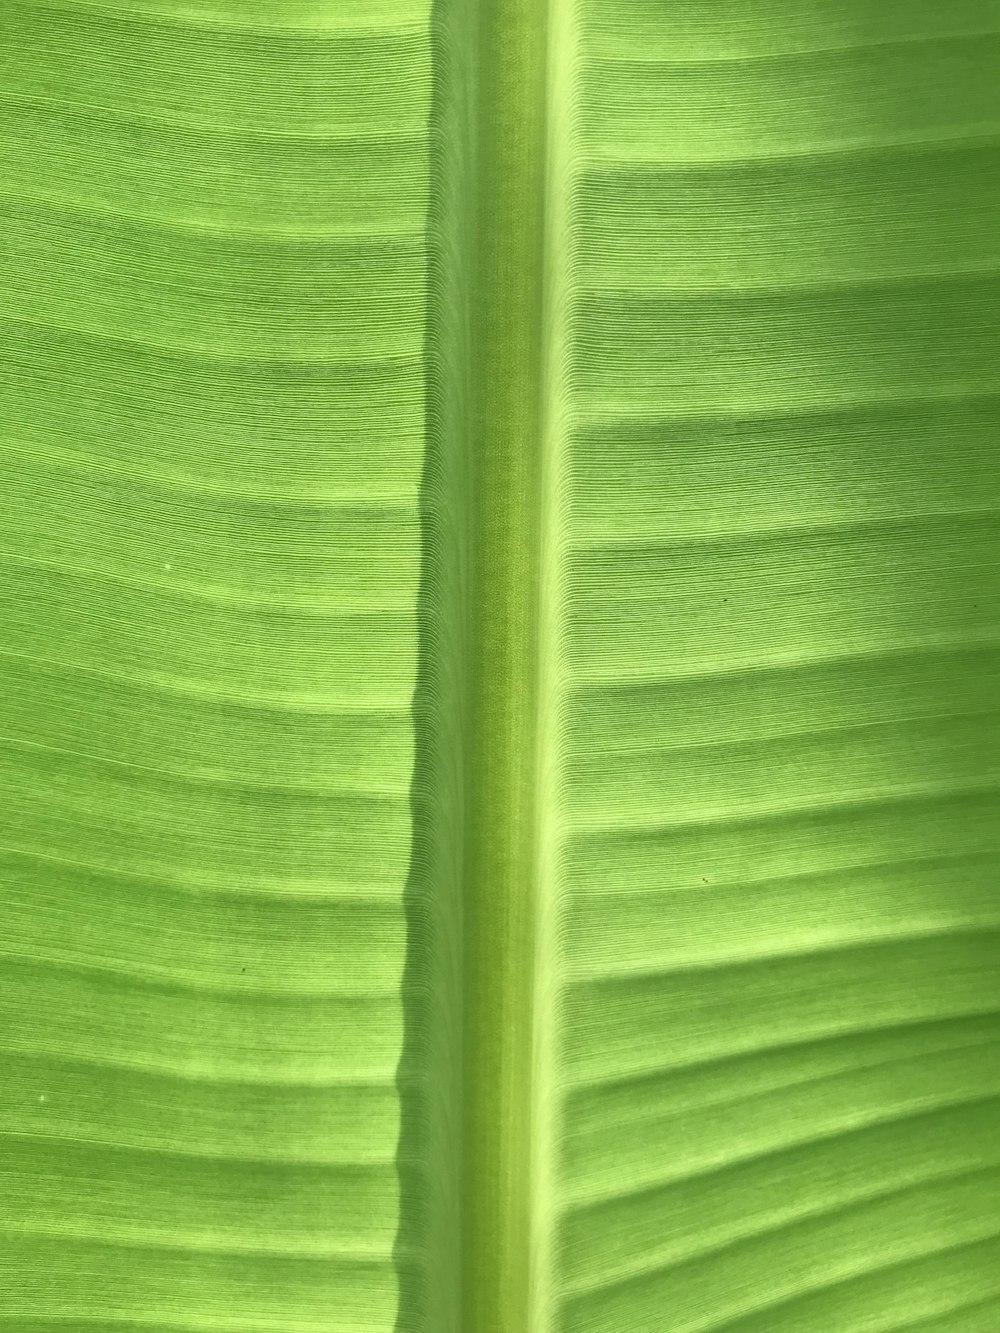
(500, 896)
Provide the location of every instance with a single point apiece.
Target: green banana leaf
(500, 666)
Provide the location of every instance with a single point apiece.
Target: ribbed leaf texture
(499, 751)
